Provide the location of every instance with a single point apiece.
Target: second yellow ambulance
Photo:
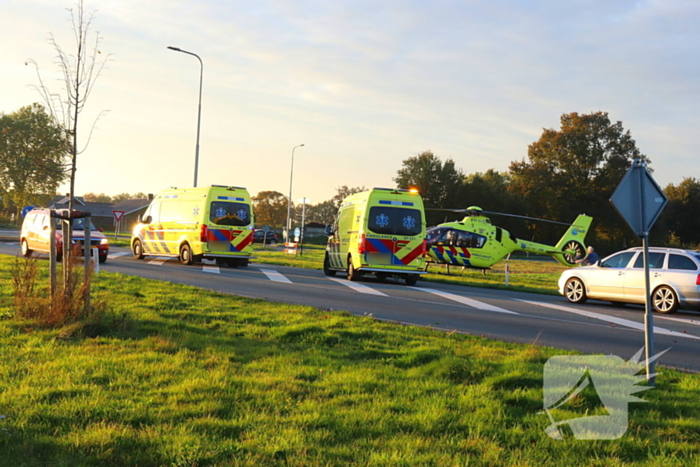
(380, 231)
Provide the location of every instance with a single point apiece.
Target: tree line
(568, 171)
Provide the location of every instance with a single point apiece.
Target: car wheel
(327, 267)
(411, 279)
(186, 254)
(102, 259)
(664, 300)
(26, 252)
(353, 274)
(575, 291)
(578, 251)
(137, 249)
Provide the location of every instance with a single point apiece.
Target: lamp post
(289, 200)
(199, 112)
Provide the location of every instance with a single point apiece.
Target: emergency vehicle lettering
(396, 203)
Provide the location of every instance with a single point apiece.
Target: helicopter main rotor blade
(498, 214)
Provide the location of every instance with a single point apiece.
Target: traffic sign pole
(639, 200)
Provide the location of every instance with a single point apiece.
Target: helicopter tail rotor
(572, 244)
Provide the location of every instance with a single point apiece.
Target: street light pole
(199, 111)
(289, 200)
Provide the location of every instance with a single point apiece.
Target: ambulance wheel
(327, 267)
(411, 279)
(186, 254)
(137, 249)
(244, 263)
(353, 274)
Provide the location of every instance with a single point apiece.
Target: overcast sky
(363, 84)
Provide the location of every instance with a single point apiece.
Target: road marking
(117, 254)
(211, 269)
(612, 319)
(359, 288)
(684, 321)
(158, 260)
(467, 301)
(275, 276)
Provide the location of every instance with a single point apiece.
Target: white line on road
(360, 288)
(159, 260)
(211, 269)
(275, 276)
(117, 254)
(467, 301)
(612, 319)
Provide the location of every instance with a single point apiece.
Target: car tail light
(203, 233)
(697, 280)
(361, 245)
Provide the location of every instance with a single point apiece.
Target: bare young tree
(80, 69)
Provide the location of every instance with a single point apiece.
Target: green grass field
(172, 375)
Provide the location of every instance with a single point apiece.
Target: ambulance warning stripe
(243, 243)
(377, 245)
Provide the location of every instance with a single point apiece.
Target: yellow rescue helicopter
(474, 242)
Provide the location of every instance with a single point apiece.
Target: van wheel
(327, 267)
(102, 259)
(186, 254)
(353, 274)
(411, 279)
(137, 249)
(26, 252)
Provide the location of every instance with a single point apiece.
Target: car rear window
(395, 221)
(681, 262)
(227, 213)
(656, 260)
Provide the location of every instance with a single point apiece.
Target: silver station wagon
(674, 279)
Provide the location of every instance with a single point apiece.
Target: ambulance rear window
(395, 221)
(227, 213)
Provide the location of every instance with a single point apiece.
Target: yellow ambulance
(380, 231)
(214, 222)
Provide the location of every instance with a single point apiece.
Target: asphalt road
(596, 327)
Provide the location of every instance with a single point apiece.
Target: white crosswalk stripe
(275, 276)
(467, 301)
(360, 288)
(211, 269)
(117, 254)
(612, 319)
(159, 260)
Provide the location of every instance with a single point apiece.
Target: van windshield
(227, 213)
(395, 221)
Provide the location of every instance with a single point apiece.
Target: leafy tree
(323, 213)
(575, 170)
(95, 198)
(126, 196)
(31, 155)
(270, 208)
(675, 221)
(437, 182)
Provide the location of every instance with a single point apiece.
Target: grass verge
(179, 376)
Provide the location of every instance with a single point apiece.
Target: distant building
(132, 208)
(102, 216)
